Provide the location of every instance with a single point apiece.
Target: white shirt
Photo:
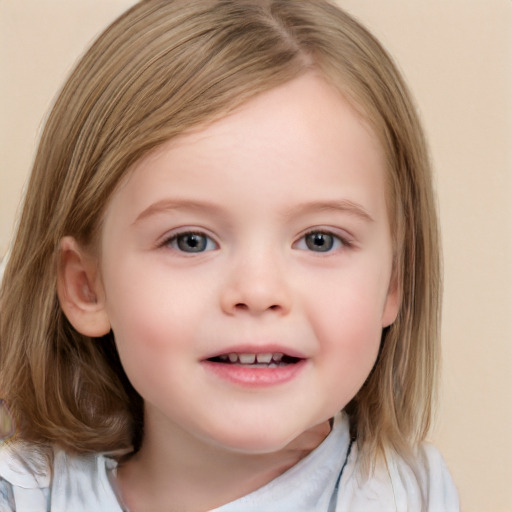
(327, 480)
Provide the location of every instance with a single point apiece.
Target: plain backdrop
(457, 58)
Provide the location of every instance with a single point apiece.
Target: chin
(254, 442)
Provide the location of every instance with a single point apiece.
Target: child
(229, 237)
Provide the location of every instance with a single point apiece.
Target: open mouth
(267, 360)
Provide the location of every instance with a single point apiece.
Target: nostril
(244, 307)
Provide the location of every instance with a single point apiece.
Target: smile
(264, 360)
(255, 369)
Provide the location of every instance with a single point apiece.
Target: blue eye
(191, 242)
(320, 241)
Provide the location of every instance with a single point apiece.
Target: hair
(162, 68)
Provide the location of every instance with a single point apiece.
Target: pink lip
(254, 377)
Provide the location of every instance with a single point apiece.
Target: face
(246, 268)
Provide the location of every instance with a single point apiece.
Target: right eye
(191, 242)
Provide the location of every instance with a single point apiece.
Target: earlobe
(80, 290)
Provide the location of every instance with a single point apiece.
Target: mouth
(253, 360)
(256, 369)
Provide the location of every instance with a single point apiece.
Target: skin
(252, 186)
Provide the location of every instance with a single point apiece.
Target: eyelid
(187, 230)
(346, 239)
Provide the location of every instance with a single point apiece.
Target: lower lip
(253, 376)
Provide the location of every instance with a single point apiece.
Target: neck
(196, 476)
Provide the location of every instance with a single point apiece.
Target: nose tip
(256, 292)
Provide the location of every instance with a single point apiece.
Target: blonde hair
(162, 68)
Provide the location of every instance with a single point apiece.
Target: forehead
(297, 139)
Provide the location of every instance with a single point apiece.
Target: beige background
(457, 57)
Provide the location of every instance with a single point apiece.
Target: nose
(256, 284)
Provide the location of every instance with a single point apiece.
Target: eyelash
(206, 243)
(173, 242)
(338, 242)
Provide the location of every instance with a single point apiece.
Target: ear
(80, 290)
(393, 301)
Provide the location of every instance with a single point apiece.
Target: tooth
(233, 358)
(264, 358)
(247, 358)
(277, 357)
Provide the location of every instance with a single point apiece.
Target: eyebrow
(166, 205)
(342, 206)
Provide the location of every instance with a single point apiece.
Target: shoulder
(32, 477)
(424, 484)
(436, 477)
(25, 475)
(429, 478)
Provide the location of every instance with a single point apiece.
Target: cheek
(142, 314)
(143, 296)
(350, 348)
(351, 329)
(348, 326)
(156, 317)
(151, 339)
(352, 303)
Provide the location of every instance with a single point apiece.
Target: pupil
(320, 242)
(192, 242)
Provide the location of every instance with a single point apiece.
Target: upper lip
(258, 349)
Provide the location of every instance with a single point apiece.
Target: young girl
(224, 290)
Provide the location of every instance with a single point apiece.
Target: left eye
(320, 241)
(191, 242)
